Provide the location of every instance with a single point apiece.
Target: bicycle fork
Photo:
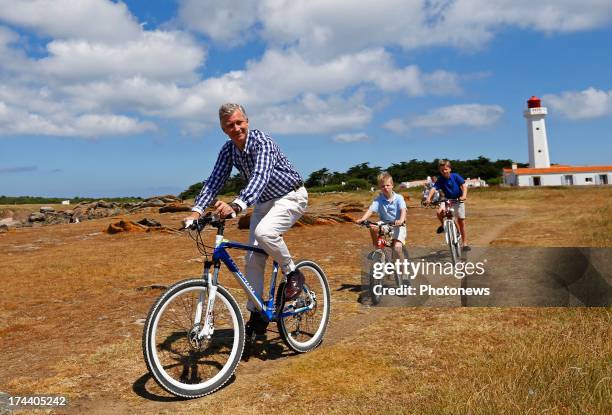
(211, 284)
(205, 307)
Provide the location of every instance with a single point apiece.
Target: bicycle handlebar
(208, 219)
(437, 202)
(366, 223)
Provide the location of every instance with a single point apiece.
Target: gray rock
(105, 204)
(10, 223)
(169, 199)
(36, 217)
(153, 203)
(45, 209)
(149, 222)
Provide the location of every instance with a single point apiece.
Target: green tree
(364, 171)
(318, 178)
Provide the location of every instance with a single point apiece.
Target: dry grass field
(74, 299)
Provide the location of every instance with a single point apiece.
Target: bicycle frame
(221, 255)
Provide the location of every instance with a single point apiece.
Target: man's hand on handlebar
(224, 210)
(190, 219)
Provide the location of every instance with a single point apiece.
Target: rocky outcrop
(36, 217)
(101, 209)
(175, 207)
(10, 223)
(125, 226)
(143, 225)
(149, 222)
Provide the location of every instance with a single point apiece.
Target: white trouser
(268, 222)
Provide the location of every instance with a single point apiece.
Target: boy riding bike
(454, 187)
(390, 207)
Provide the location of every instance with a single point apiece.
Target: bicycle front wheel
(450, 240)
(179, 360)
(304, 330)
(399, 277)
(375, 284)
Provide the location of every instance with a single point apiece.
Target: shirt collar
(248, 141)
(391, 198)
(246, 144)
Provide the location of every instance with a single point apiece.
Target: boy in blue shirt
(390, 207)
(454, 187)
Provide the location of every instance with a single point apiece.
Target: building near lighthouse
(540, 172)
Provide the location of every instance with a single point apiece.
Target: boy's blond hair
(382, 177)
(444, 163)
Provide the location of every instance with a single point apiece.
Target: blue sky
(120, 98)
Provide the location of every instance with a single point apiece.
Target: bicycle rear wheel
(178, 360)
(304, 331)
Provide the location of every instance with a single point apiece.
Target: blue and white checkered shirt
(268, 172)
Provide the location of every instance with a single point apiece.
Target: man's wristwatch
(236, 207)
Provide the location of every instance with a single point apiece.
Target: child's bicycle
(452, 235)
(194, 334)
(383, 253)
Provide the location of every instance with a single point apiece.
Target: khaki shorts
(398, 232)
(458, 209)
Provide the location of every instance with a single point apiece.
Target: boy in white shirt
(390, 207)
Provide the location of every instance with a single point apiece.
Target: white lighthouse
(540, 172)
(536, 130)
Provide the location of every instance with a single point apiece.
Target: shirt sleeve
(401, 202)
(437, 184)
(459, 179)
(264, 164)
(374, 206)
(218, 177)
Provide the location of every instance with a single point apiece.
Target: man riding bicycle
(274, 187)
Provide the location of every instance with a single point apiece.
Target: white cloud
(226, 22)
(397, 126)
(465, 115)
(155, 55)
(590, 103)
(94, 20)
(323, 28)
(350, 137)
(101, 63)
(443, 118)
(20, 121)
(312, 114)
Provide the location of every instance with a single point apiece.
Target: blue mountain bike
(194, 334)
